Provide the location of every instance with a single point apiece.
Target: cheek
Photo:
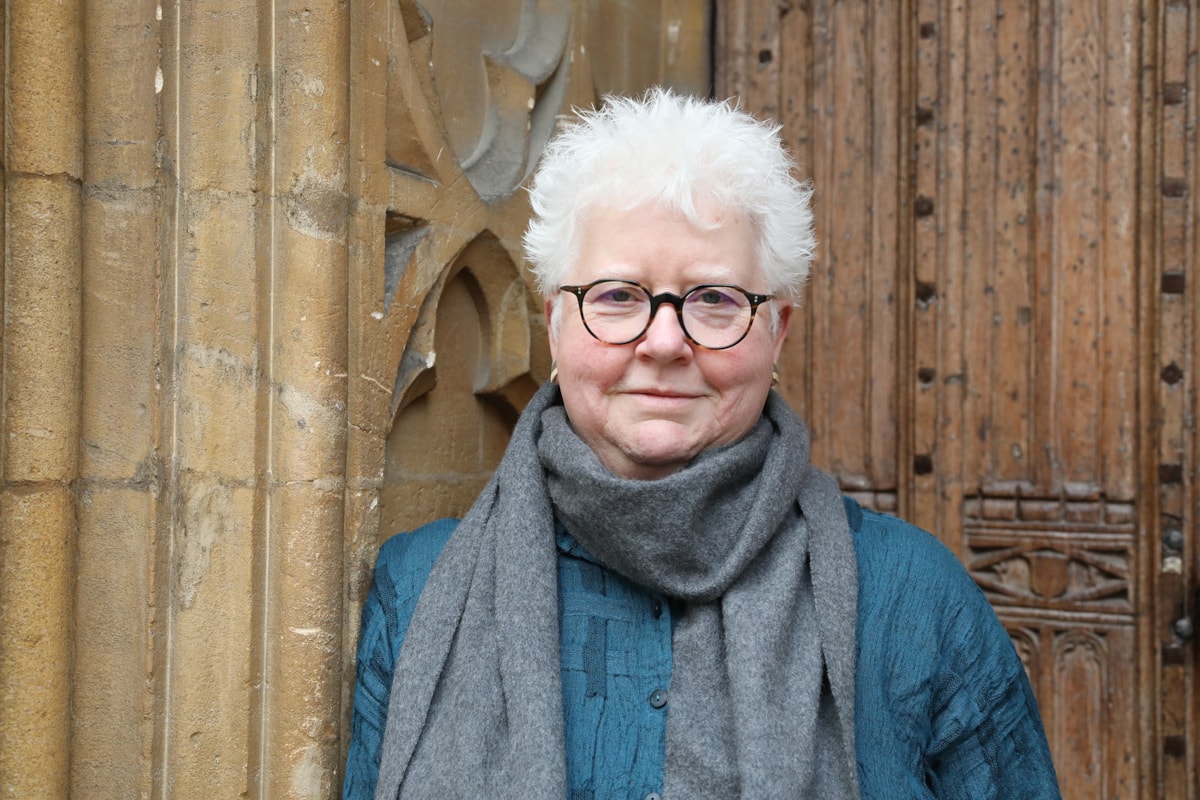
(585, 385)
(584, 364)
(588, 371)
(747, 372)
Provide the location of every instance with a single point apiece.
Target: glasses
(715, 316)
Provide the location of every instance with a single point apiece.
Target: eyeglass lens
(713, 316)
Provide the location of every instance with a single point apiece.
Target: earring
(554, 372)
(775, 375)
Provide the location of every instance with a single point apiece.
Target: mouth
(662, 395)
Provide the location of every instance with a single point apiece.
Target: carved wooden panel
(1000, 328)
(1079, 567)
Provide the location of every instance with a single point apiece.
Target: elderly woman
(657, 595)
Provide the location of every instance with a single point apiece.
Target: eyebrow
(718, 274)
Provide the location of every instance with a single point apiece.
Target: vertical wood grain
(1172, 207)
(1026, 246)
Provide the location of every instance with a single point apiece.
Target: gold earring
(554, 372)
(775, 375)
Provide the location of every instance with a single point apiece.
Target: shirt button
(657, 613)
(653, 796)
(658, 698)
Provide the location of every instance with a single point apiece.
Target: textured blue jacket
(943, 708)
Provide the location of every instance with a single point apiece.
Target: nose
(664, 339)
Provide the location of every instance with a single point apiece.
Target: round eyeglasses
(714, 316)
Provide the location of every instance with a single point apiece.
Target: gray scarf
(753, 540)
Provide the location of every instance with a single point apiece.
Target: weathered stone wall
(262, 305)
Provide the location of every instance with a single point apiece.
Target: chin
(658, 462)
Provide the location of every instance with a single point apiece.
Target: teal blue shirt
(943, 708)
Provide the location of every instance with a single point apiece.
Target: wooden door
(1001, 330)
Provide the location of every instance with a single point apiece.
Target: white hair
(680, 151)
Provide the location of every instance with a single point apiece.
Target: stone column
(254, 314)
(255, 114)
(39, 403)
(205, 593)
(303, 251)
(120, 481)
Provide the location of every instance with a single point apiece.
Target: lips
(663, 400)
(669, 394)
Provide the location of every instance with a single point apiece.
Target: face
(648, 407)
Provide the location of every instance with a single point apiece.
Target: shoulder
(904, 569)
(937, 672)
(884, 544)
(923, 624)
(413, 553)
(401, 570)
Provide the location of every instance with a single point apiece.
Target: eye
(712, 297)
(715, 298)
(615, 294)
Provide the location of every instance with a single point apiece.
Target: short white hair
(676, 150)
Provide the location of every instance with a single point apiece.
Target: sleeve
(987, 735)
(991, 745)
(945, 709)
(401, 570)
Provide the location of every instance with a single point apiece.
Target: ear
(551, 333)
(781, 331)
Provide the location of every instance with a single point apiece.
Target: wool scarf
(749, 538)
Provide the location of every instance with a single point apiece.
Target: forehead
(662, 247)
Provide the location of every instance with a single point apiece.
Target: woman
(657, 594)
